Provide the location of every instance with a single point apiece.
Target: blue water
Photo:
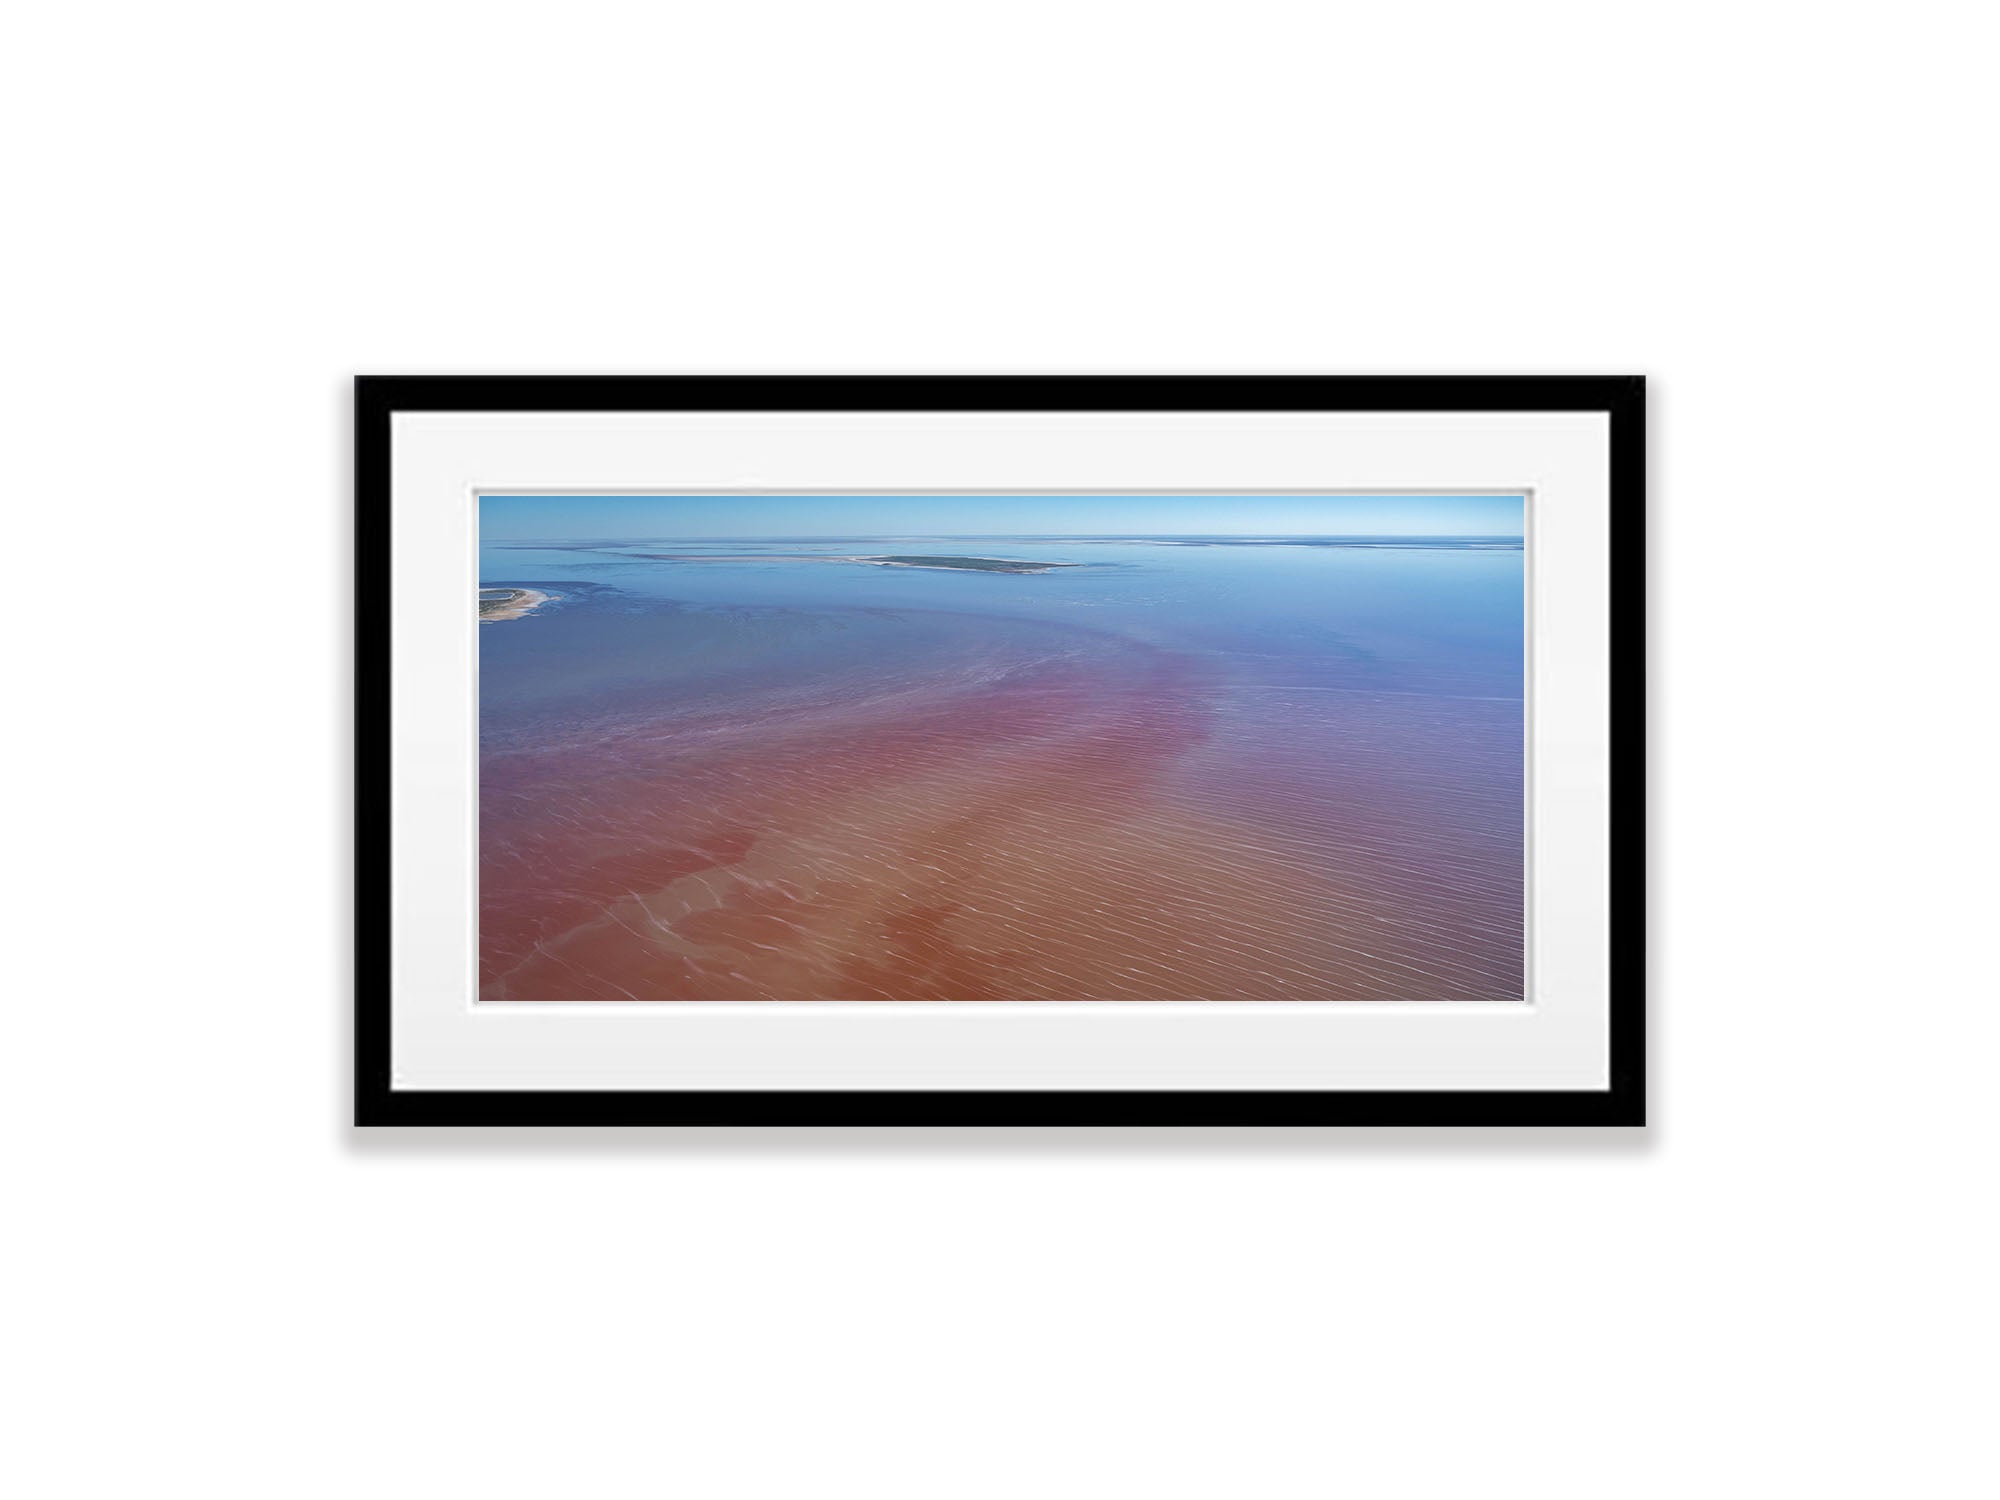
(1436, 616)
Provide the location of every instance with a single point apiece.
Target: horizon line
(948, 536)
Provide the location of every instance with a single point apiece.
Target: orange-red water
(1008, 813)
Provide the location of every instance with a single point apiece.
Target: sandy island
(953, 564)
(960, 564)
(510, 604)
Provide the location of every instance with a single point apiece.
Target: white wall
(1780, 212)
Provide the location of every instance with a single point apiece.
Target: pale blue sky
(593, 517)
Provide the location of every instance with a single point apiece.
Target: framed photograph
(928, 751)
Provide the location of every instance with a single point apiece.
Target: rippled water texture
(746, 772)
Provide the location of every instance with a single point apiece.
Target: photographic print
(1019, 750)
(1001, 747)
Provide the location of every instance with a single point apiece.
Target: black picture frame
(377, 399)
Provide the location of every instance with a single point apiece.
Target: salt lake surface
(1180, 769)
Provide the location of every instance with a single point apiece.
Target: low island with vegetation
(510, 604)
(967, 564)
